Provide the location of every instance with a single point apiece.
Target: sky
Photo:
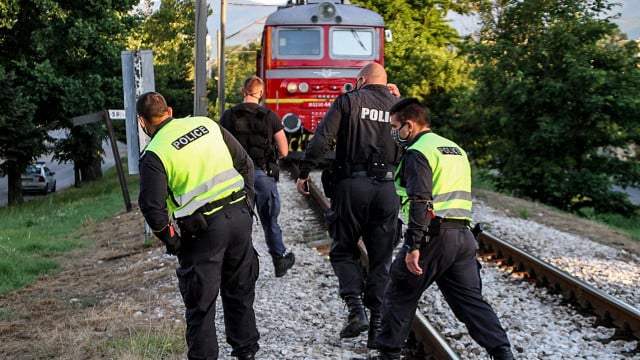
(245, 19)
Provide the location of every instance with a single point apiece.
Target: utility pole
(200, 81)
(221, 55)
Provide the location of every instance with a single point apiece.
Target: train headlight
(291, 123)
(347, 87)
(292, 87)
(303, 87)
(326, 10)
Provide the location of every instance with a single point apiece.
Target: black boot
(283, 263)
(375, 326)
(502, 353)
(357, 319)
(247, 357)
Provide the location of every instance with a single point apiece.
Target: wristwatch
(409, 248)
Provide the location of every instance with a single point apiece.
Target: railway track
(428, 343)
(610, 311)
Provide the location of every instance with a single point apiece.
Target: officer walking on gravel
(360, 185)
(434, 182)
(260, 131)
(196, 172)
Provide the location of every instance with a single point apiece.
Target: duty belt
(222, 202)
(388, 176)
(453, 223)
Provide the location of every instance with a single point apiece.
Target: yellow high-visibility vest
(198, 164)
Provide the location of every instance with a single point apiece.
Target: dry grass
(100, 305)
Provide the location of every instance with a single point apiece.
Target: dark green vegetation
(35, 235)
(58, 60)
(558, 105)
(627, 224)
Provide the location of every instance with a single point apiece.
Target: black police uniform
(365, 203)
(448, 259)
(222, 258)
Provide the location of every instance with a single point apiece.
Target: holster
(329, 183)
(434, 228)
(273, 170)
(377, 167)
(192, 224)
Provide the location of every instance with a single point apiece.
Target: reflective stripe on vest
(451, 177)
(198, 164)
(190, 207)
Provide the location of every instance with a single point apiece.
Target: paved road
(64, 172)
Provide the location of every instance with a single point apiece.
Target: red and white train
(310, 54)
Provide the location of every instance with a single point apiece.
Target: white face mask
(395, 134)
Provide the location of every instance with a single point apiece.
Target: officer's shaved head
(373, 73)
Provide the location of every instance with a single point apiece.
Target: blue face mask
(395, 134)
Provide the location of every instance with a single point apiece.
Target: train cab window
(352, 42)
(299, 43)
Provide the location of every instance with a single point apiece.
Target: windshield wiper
(357, 37)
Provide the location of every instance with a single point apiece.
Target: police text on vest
(190, 137)
(374, 114)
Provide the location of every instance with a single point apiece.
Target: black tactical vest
(364, 140)
(255, 134)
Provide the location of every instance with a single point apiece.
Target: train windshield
(352, 42)
(300, 42)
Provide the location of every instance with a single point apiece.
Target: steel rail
(609, 310)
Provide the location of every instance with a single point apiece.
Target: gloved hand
(171, 239)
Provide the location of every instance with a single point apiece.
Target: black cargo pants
(220, 259)
(366, 208)
(449, 260)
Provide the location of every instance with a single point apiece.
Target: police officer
(364, 203)
(434, 182)
(260, 131)
(199, 174)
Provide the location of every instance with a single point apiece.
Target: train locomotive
(310, 54)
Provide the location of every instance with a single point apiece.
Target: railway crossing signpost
(106, 115)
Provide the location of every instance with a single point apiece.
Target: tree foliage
(16, 117)
(88, 73)
(170, 33)
(556, 103)
(240, 63)
(423, 59)
(64, 59)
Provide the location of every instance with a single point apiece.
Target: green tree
(557, 103)
(424, 58)
(240, 64)
(23, 135)
(170, 33)
(89, 75)
(65, 56)
(16, 117)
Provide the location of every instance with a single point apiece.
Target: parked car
(39, 178)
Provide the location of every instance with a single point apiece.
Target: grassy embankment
(36, 234)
